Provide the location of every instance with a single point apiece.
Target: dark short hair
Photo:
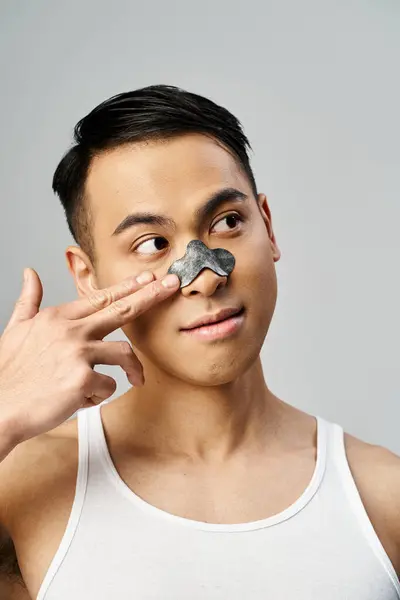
(150, 113)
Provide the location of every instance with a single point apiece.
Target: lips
(221, 315)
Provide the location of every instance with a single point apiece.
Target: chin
(208, 370)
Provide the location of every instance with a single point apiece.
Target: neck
(207, 424)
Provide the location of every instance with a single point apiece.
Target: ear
(267, 218)
(81, 269)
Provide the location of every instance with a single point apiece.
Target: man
(198, 482)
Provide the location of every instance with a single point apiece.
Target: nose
(206, 283)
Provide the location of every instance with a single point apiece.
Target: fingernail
(144, 277)
(171, 280)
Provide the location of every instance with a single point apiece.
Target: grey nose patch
(198, 257)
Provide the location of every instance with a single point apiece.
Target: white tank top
(118, 546)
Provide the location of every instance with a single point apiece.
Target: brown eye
(159, 242)
(231, 220)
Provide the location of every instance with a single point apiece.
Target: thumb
(28, 303)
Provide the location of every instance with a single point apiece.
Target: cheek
(146, 328)
(256, 280)
(254, 263)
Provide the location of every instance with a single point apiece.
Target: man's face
(175, 178)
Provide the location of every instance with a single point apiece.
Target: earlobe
(276, 253)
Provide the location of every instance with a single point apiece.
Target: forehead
(163, 175)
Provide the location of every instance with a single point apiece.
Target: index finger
(104, 321)
(83, 307)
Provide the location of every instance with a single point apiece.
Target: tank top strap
(338, 453)
(77, 505)
(325, 451)
(331, 431)
(335, 456)
(323, 435)
(93, 433)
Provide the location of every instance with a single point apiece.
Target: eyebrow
(201, 213)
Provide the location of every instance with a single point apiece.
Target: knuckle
(155, 290)
(119, 308)
(128, 286)
(125, 348)
(21, 302)
(101, 299)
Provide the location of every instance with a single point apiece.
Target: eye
(231, 220)
(160, 244)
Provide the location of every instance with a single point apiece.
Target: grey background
(316, 86)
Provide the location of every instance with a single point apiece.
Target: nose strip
(198, 257)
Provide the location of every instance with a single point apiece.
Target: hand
(47, 356)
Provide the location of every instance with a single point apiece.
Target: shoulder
(376, 472)
(36, 467)
(378, 467)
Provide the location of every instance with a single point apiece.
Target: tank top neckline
(97, 435)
